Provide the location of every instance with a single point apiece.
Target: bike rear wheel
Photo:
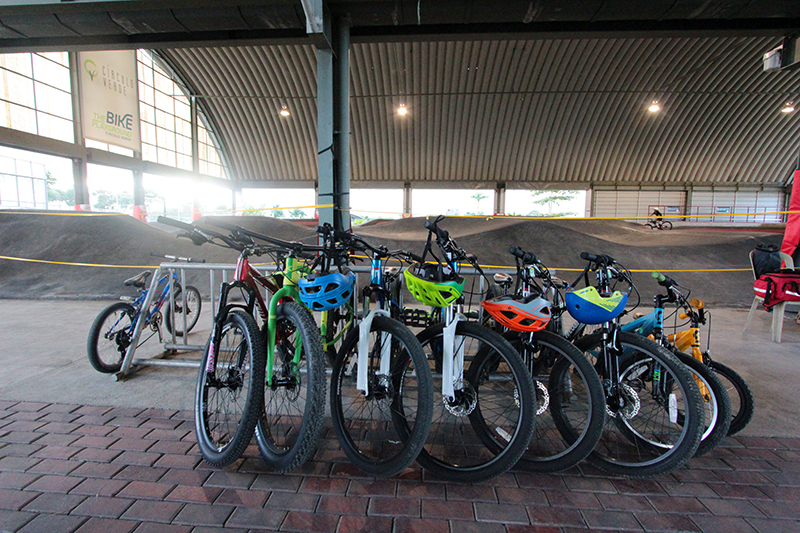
(229, 390)
(382, 432)
(484, 430)
(741, 397)
(570, 409)
(294, 404)
(110, 336)
(655, 414)
(192, 310)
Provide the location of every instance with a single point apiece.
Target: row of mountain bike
(466, 394)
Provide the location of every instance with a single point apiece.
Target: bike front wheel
(654, 411)
(484, 429)
(383, 430)
(110, 336)
(229, 390)
(294, 402)
(192, 310)
(716, 403)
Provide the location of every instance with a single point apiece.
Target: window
(35, 94)
(166, 119)
(23, 184)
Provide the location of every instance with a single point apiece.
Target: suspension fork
(289, 290)
(452, 354)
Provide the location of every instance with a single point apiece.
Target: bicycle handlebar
(602, 259)
(177, 258)
(527, 257)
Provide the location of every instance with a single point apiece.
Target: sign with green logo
(110, 98)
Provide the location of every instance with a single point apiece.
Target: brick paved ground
(67, 468)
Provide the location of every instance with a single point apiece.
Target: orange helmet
(519, 315)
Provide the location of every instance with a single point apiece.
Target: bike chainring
(542, 398)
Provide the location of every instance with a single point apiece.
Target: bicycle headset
(527, 314)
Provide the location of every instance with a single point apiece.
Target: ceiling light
(284, 112)
(788, 108)
(402, 110)
(655, 107)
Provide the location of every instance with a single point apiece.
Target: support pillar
(196, 207)
(333, 111)
(139, 208)
(78, 163)
(500, 199)
(341, 124)
(407, 208)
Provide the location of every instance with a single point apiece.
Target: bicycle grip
(586, 256)
(527, 257)
(664, 281)
(174, 223)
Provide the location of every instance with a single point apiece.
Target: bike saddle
(139, 280)
(502, 278)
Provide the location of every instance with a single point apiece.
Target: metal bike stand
(130, 364)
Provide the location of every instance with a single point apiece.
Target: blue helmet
(328, 291)
(587, 306)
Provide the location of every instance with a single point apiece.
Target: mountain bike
(654, 410)
(381, 386)
(567, 386)
(484, 400)
(270, 380)
(717, 405)
(688, 342)
(111, 332)
(685, 345)
(659, 224)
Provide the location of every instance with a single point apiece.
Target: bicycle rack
(131, 364)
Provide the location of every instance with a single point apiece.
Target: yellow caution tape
(503, 267)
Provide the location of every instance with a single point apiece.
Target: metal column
(407, 207)
(333, 112)
(341, 125)
(78, 164)
(500, 199)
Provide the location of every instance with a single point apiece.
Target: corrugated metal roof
(513, 111)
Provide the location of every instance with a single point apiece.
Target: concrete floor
(43, 347)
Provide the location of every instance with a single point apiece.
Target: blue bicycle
(112, 330)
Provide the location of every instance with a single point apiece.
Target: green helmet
(433, 293)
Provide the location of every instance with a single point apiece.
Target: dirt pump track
(123, 240)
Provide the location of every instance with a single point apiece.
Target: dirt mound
(558, 243)
(122, 240)
(101, 240)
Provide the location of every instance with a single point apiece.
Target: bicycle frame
(249, 279)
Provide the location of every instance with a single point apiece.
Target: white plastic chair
(778, 310)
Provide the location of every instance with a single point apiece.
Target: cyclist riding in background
(657, 215)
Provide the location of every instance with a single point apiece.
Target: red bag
(778, 287)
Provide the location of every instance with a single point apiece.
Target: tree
(297, 213)
(277, 213)
(548, 198)
(478, 197)
(57, 195)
